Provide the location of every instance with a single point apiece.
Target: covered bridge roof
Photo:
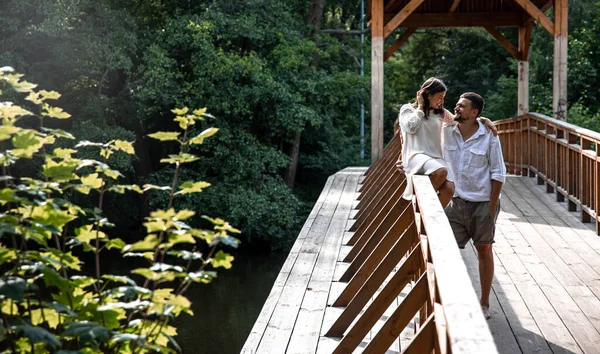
(463, 13)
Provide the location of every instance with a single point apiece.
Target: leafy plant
(49, 301)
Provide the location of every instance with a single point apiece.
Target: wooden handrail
(388, 234)
(563, 156)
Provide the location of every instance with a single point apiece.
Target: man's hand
(489, 125)
(493, 208)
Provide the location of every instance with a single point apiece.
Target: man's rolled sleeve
(497, 167)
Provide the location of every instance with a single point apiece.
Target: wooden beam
(454, 5)
(544, 8)
(559, 77)
(525, 40)
(537, 14)
(376, 79)
(399, 319)
(401, 16)
(523, 88)
(504, 42)
(424, 340)
(461, 19)
(398, 43)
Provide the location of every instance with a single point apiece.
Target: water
(225, 310)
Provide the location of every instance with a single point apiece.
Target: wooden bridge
(373, 273)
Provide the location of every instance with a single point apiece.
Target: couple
(462, 156)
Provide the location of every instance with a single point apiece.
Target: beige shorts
(472, 220)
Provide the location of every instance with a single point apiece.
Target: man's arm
(496, 189)
(498, 172)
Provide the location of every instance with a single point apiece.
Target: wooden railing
(563, 156)
(389, 233)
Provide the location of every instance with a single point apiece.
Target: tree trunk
(294, 152)
(313, 22)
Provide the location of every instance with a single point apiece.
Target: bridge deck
(546, 293)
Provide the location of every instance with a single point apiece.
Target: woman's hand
(489, 125)
(420, 100)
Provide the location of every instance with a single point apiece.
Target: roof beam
(461, 19)
(510, 48)
(543, 9)
(537, 14)
(401, 16)
(454, 5)
(398, 43)
(524, 40)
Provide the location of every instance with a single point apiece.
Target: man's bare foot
(486, 312)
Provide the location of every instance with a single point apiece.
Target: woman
(421, 124)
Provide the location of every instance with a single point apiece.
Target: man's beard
(458, 118)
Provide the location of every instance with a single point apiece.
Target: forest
(281, 82)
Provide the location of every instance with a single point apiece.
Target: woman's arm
(410, 118)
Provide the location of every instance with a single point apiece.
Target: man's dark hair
(477, 101)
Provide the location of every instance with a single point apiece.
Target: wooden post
(523, 85)
(376, 79)
(523, 88)
(559, 92)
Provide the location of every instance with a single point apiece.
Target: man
(475, 157)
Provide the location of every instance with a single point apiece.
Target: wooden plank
(408, 268)
(538, 15)
(526, 331)
(305, 334)
(468, 330)
(260, 324)
(281, 322)
(510, 48)
(424, 340)
(398, 42)
(499, 327)
(401, 16)
(394, 224)
(399, 319)
(377, 37)
(461, 19)
(555, 279)
(530, 303)
(454, 5)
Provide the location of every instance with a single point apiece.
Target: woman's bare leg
(440, 184)
(446, 193)
(438, 177)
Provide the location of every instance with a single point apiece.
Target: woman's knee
(438, 176)
(440, 173)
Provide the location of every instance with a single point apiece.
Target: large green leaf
(165, 136)
(13, 288)
(192, 187)
(199, 139)
(26, 143)
(221, 259)
(88, 332)
(38, 335)
(149, 243)
(180, 159)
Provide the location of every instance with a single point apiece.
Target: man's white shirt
(474, 163)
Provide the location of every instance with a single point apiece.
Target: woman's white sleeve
(410, 118)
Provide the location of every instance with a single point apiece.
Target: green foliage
(48, 302)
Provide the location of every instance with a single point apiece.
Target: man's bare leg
(486, 273)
